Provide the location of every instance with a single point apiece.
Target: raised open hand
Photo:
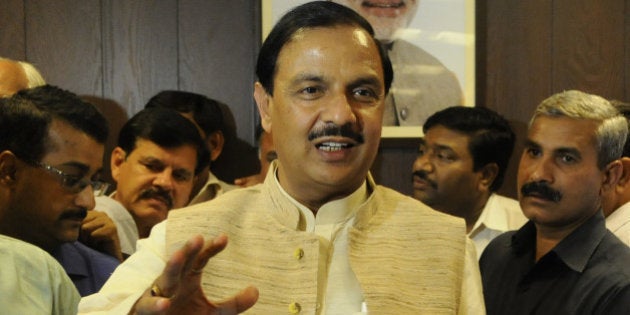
(178, 289)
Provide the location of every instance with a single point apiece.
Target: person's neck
(314, 196)
(48, 245)
(475, 211)
(548, 237)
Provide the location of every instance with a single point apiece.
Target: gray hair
(612, 130)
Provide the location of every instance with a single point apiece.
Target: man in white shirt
(616, 202)
(33, 282)
(318, 236)
(159, 153)
(461, 163)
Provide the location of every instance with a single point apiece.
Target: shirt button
(295, 308)
(404, 113)
(298, 254)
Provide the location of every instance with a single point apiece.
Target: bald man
(17, 75)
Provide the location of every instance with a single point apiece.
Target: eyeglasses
(72, 183)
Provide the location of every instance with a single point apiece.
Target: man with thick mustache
(158, 155)
(318, 236)
(461, 163)
(51, 154)
(564, 260)
(422, 84)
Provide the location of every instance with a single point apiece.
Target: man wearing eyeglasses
(51, 153)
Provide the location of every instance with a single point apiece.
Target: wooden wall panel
(589, 47)
(63, 38)
(119, 53)
(12, 29)
(140, 50)
(209, 29)
(218, 43)
(392, 167)
(515, 55)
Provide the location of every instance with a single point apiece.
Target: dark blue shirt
(588, 272)
(87, 268)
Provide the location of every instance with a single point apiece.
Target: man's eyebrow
(530, 143)
(306, 77)
(82, 167)
(367, 81)
(569, 150)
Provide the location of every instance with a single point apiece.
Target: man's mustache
(155, 192)
(541, 189)
(332, 129)
(74, 214)
(424, 176)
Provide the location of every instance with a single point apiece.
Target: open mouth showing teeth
(333, 146)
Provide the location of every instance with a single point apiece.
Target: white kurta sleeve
(471, 301)
(131, 278)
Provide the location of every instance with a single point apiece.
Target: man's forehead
(440, 134)
(562, 134)
(305, 58)
(149, 151)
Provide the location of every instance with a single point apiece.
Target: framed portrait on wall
(431, 44)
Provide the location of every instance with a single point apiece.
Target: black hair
(491, 137)
(312, 15)
(166, 128)
(206, 112)
(25, 120)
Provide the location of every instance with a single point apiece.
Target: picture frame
(445, 29)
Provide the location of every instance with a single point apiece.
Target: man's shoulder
(389, 200)
(20, 250)
(232, 202)
(111, 206)
(615, 254)
(410, 53)
(498, 248)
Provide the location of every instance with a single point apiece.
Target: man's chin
(69, 236)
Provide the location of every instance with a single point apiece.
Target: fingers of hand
(241, 301)
(151, 305)
(210, 248)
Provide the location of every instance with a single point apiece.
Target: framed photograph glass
(431, 44)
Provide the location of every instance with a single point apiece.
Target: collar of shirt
(485, 219)
(335, 211)
(213, 188)
(574, 250)
(494, 216)
(71, 260)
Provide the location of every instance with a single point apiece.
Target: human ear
(488, 173)
(8, 168)
(624, 179)
(215, 141)
(117, 159)
(262, 101)
(612, 174)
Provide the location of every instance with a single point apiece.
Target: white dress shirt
(618, 222)
(499, 215)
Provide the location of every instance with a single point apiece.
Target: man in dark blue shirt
(563, 261)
